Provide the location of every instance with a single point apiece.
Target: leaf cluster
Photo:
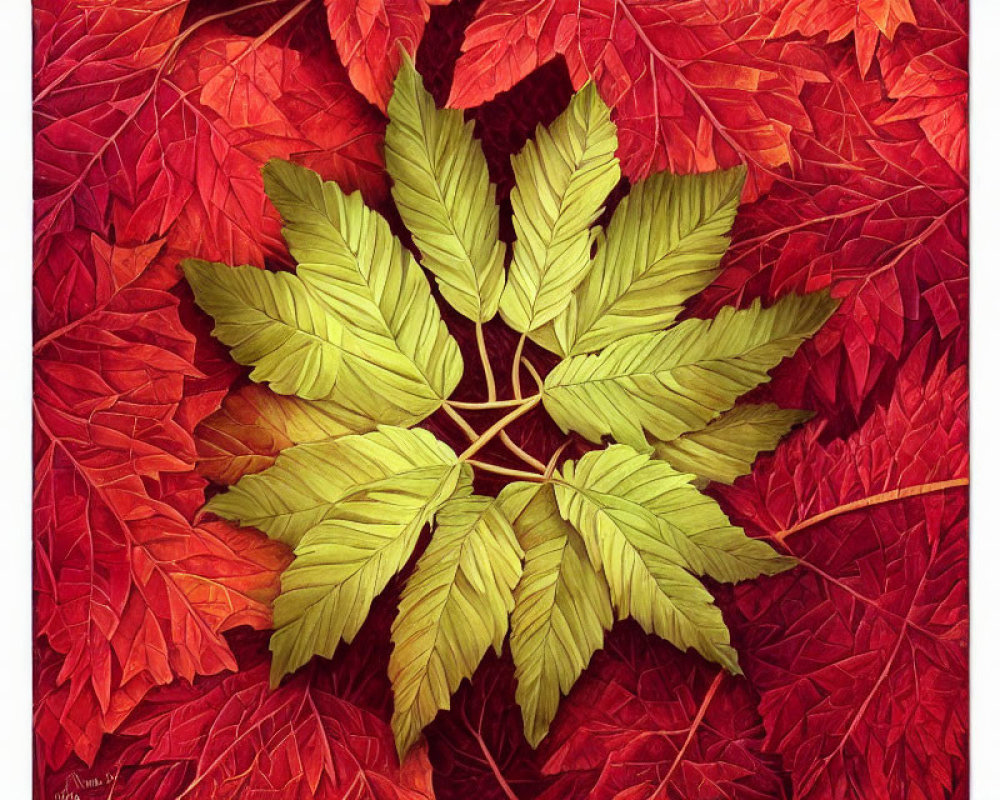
(568, 547)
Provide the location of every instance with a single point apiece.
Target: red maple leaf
(695, 85)
(231, 736)
(871, 211)
(128, 591)
(926, 72)
(646, 722)
(866, 19)
(162, 131)
(369, 33)
(860, 654)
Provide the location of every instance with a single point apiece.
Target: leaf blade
(562, 179)
(454, 606)
(442, 190)
(670, 382)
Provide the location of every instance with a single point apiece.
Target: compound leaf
(365, 537)
(400, 362)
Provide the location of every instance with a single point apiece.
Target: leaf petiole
(484, 357)
(510, 473)
(473, 406)
(487, 436)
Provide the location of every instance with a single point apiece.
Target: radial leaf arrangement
(564, 549)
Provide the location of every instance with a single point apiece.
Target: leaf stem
(525, 456)
(487, 406)
(484, 357)
(459, 420)
(486, 466)
(549, 468)
(534, 373)
(515, 370)
(487, 436)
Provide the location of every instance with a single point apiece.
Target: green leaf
(454, 606)
(443, 192)
(301, 489)
(366, 536)
(663, 245)
(726, 448)
(272, 322)
(674, 381)
(562, 179)
(691, 524)
(646, 574)
(562, 607)
(399, 362)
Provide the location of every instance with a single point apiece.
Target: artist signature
(77, 784)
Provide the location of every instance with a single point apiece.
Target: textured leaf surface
(272, 322)
(562, 179)
(646, 575)
(442, 189)
(254, 425)
(726, 448)
(663, 244)
(400, 361)
(454, 606)
(344, 560)
(695, 85)
(675, 381)
(882, 593)
(562, 607)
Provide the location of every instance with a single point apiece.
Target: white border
(15, 400)
(15, 471)
(985, 380)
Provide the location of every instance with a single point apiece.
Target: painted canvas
(501, 399)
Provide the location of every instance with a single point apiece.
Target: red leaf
(695, 86)
(127, 590)
(229, 737)
(646, 722)
(866, 19)
(369, 33)
(860, 654)
(926, 72)
(166, 138)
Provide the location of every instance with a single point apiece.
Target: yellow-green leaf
(443, 192)
(726, 448)
(663, 245)
(670, 382)
(562, 607)
(698, 534)
(272, 322)
(646, 575)
(301, 489)
(562, 179)
(455, 605)
(366, 537)
(400, 362)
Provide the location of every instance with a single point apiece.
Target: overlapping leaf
(881, 532)
(671, 382)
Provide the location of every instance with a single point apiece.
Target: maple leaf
(878, 522)
(128, 591)
(926, 73)
(206, 740)
(169, 128)
(646, 722)
(872, 212)
(866, 19)
(369, 35)
(695, 86)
